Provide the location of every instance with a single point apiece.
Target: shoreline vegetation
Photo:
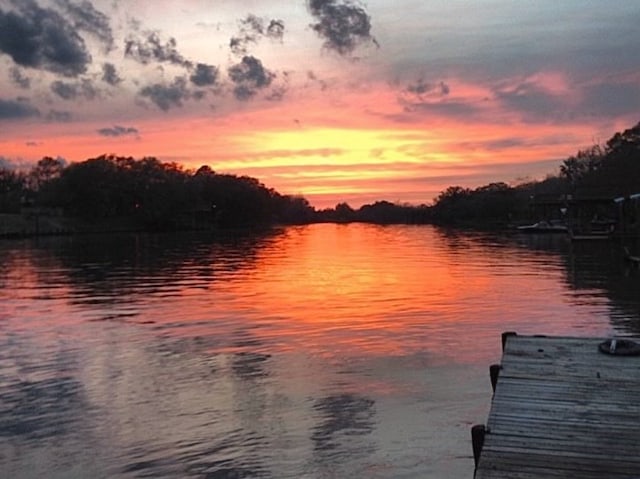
(117, 194)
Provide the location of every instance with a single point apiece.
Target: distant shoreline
(24, 226)
(30, 225)
(21, 225)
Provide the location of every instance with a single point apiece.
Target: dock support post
(494, 372)
(477, 441)
(505, 336)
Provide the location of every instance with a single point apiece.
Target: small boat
(543, 227)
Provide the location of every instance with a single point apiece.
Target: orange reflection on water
(338, 289)
(362, 290)
(329, 290)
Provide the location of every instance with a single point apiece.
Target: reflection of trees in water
(41, 409)
(601, 266)
(502, 248)
(592, 269)
(462, 240)
(215, 458)
(115, 268)
(248, 365)
(226, 444)
(342, 416)
(40, 399)
(588, 267)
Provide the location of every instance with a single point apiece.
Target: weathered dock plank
(562, 409)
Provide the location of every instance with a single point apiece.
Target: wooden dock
(561, 409)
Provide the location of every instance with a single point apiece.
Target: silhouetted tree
(495, 204)
(384, 212)
(91, 189)
(293, 209)
(576, 169)
(46, 170)
(344, 213)
(610, 171)
(12, 189)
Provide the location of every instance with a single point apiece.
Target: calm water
(309, 352)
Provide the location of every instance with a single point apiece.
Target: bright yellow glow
(328, 146)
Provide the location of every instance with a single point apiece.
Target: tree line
(157, 195)
(166, 196)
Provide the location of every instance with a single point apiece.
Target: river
(322, 351)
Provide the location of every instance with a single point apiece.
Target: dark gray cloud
(41, 38)
(238, 45)
(448, 108)
(423, 98)
(87, 18)
(249, 76)
(150, 48)
(118, 131)
(167, 96)
(414, 111)
(252, 29)
(66, 91)
(19, 79)
(17, 109)
(535, 103)
(518, 142)
(532, 101)
(611, 99)
(58, 116)
(204, 75)
(275, 29)
(110, 74)
(70, 91)
(198, 94)
(343, 25)
(422, 88)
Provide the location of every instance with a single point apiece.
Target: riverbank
(29, 225)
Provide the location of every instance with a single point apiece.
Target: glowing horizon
(422, 100)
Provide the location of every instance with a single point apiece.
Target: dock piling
(477, 441)
(494, 372)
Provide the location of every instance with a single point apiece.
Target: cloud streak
(17, 109)
(118, 131)
(71, 91)
(59, 116)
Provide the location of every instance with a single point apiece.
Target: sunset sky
(330, 99)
